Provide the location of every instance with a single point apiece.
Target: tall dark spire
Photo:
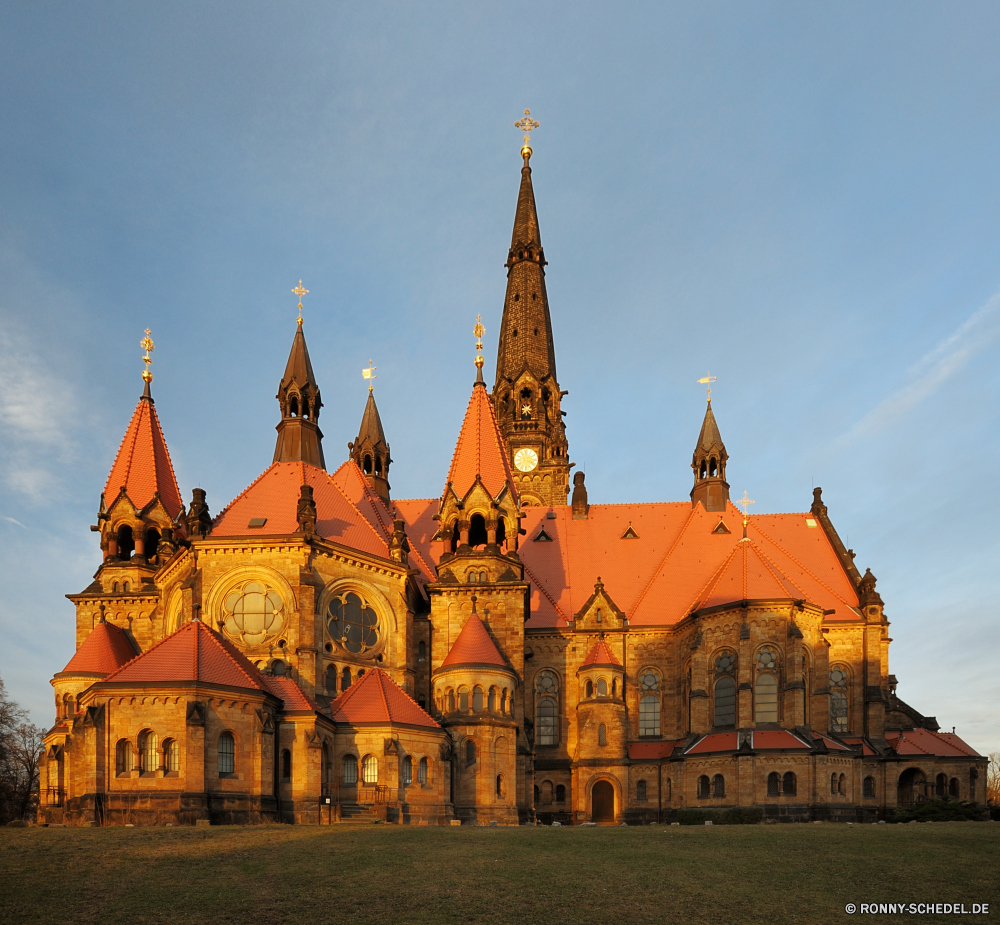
(371, 452)
(709, 465)
(299, 436)
(526, 394)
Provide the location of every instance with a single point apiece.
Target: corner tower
(526, 395)
(709, 465)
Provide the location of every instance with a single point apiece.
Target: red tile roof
(777, 738)
(275, 496)
(142, 466)
(600, 654)
(474, 646)
(288, 691)
(480, 450)
(192, 653)
(105, 650)
(925, 742)
(376, 698)
(866, 749)
(650, 751)
(715, 742)
(834, 744)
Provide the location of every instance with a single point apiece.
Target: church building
(506, 651)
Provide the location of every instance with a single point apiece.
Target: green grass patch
(400, 875)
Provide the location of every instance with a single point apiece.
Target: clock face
(526, 459)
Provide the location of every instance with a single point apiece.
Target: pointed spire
(474, 646)
(709, 465)
(299, 436)
(371, 451)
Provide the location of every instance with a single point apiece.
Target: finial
(526, 125)
(708, 380)
(479, 331)
(300, 291)
(102, 613)
(745, 502)
(369, 374)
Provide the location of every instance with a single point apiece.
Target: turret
(709, 465)
(299, 436)
(370, 451)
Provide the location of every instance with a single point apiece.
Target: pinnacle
(371, 423)
(709, 436)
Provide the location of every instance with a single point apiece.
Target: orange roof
(142, 466)
(715, 742)
(480, 449)
(275, 496)
(650, 751)
(192, 653)
(376, 698)
(474, 646)
(925, 742)
(866, 749)
(600, 654)
(746, 575)
(105, 650)
(288, 691)
(834, 744)
(777, 738)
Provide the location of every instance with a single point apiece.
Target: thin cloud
(949, 357)
(11, 520)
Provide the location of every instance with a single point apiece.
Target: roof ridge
(218, 517)
(381, 690)
(166, 450)
(778, 574)
(543, 590)
(152, 648)
(343, 494)
(229, 649)
(702, 593)
(663, 561)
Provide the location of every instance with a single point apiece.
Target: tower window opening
(477, 530)
(501, 532)
(305, 408)
(602, 734)
(345, 679)
(517, 295)
(126, 542)
(152, 542)
(703, 471)
(378, 465)
(536, 329)
(454, 536)
(293, 407)
(367, 464)
(713, 467)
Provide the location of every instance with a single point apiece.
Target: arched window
(589, 689)
(456, 535)
(149, 751)
(538, 796)
(378, 465)
(350, 765)
(123, 757)
(451, 701)
(649, 703)
(833, 783)
(227, 753)
(477, 530)
(115, 587)
(602, 687)
(345, 679)
(369, 769)
(407, 770)
(560, 793)
(293, 406)
(602, 734)
(367, 464)
(331, 678)
(973, 779)
(501, 532)
(704, 787)
(278, 668)
(305, 408)
(491, 700)
(286, 764)
(940, 786)
(171, 756)
(546, 791)
(869, 787)
(470, 751)
(67, 706)
(838, 700)
(463, 699)
(421, 651)
(501, 788)
(547, 720)
(725, 701)
(841, 787)
(422, 771)
(773, 784)
(473, 577)
(953, 788)
(126, 543)
(640, 792)
(126, 587)
(718, 786)
(766, 698)
(788, 784)
(477, 699)
(713, 467)
(152, 543)
(503, 703)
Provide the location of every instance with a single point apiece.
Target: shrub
(735, 815)
(694, 816)
(939, 811)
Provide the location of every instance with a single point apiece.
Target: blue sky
(803, 198)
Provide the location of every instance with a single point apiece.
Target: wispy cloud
(11, 520)
(948, 358)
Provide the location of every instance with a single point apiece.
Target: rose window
(767, 659)
(253, 612)
(838, 678)
(725, 663)
(546, 683)
(649, 681)
(353, 623)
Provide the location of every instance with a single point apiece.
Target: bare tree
(993, 780)
(20, 760)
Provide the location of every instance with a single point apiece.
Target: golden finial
(708, 380)
(526, 125)
(300, 291)
(369, 374)
(147, 344)
(479, 331)
(744, 503)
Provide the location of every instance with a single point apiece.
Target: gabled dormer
(600, 613)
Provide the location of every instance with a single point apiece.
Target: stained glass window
(253, 612)
(353, 623)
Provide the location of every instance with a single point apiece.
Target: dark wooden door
(602, 802)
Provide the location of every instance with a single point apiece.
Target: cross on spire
(147, 344)
(708, 380)
(300, 291)
(526, 125)
(744, 503)
(369, 374)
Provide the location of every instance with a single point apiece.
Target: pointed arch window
(227, 753)
(649, 703)
(839, 704)
(640, 792)
(422, 771)
(602, 734)
(766, 686)
(547, 710)
(350, 769)
(725, 690)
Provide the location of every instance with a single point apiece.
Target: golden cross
(300, 291)
(708, 380)
(526, 125)
(479, 331)
(147, 344)
(369, 374)
(744, 502)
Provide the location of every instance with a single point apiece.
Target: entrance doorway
(602, 802)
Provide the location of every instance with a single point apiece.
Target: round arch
(604, 799)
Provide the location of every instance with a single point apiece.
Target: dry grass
(390, 875)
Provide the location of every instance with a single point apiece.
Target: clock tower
(526, 396)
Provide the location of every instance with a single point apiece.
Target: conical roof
(526, 229)
(474, 646)
(142, 466)
(709, 437)
(600, 654)
(298, 369)
(376, 698)
(104, 651)
(371, 424)
(480, 449)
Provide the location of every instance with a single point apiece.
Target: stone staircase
(357, 814)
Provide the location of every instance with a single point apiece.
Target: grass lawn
(389, 875)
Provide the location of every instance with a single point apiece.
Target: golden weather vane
(147, 344)
(526, 125)
(479, 331)
(369, 374)
(708, 380)
(300, 291)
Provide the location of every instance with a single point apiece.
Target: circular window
(353, 623)
(767, 659)
(725, 663)
(253, 612)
